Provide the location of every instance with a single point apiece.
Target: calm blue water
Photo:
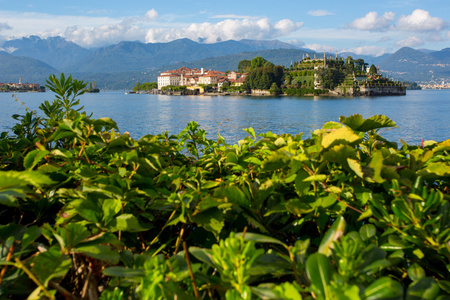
(419, 115)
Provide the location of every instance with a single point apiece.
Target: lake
(419, 115)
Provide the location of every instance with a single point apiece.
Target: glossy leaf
(425, 288)
(384, 288)
(332, 235)
(319, 271)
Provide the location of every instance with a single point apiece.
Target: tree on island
(373, 70)
(244, 66)
(262, 78)
(146, 86)
(259, 62)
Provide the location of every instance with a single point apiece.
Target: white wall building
(166, 80)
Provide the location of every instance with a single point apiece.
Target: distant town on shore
(21, 87)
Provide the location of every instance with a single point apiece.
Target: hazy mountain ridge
(414, 65)
(29, 69)
(54, 51)
(119, 66)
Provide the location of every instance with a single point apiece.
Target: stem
(194, 286)
(21, 266)
(63, 291)
(8, 257)
(167, 222)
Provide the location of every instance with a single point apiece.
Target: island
(92, 88)
(332, 76)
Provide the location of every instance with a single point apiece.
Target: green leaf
(270, 264)
(204, 255)
(333, 234)
(355, 166)
(357, 123)
(367, 232)
(126, 222)
(319, 271)
(372, 172)
(384, 288)
(33, 158)
(73, 233)
(339, 136)
(277, 160)
(110, 208)
(15, 179)
(425, 288)
(260, 238)
(89, 209)
(232, 158)
(435, 170)
(287, 291)
(233, 193)
(14, 185)
(51, 264)
(444, 285)
(211, 219)
(317, 177)
(102, 252)
(416, 272)
(250, 131)
(301, 186)
(340, 154)
(123, 272)
(30, 235)
(402, 210)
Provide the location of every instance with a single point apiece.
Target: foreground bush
(89, 213)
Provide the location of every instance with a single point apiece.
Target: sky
(363, 27)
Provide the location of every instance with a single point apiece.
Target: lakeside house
(198, 77)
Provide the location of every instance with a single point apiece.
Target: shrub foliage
(87, 212)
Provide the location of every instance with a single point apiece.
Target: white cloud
(295, 42)
(8, 49)
(232, 16)
(45, 25)
(448, 35)
(319, 13)
(420, 20)
(411, 41)
(225, 30)
(152, 14)
(372, 22)
(127, 30)
(320, 48)
(368, 50)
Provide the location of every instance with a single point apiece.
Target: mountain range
(119, 66)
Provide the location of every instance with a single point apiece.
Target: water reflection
(419, 114)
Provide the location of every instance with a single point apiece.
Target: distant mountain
(55, 51)
(375, 60)
(267, 45)
(230, 62)
(120, 66)
(414, 65)
(426, 51)
(127, 79)
(29, 69)
(135, 56)
(443, 55)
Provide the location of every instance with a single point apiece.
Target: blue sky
(364, 27)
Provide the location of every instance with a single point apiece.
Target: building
(189, 77)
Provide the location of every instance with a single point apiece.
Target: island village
(331, 76)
